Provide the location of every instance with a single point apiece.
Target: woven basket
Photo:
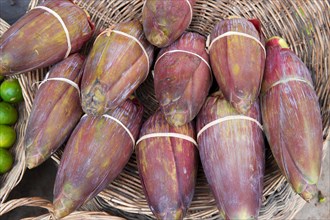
(306, 27)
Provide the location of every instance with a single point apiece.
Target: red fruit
(292, 119)
(164, 21)
(167, 167)
(232, 155)
(38, 39)
(97, 151)
(238, 61)
(55, 112)
(182, 80)
(115, 67)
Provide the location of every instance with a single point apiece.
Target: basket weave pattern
(306, 27)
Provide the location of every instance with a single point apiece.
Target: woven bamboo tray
(305, 24)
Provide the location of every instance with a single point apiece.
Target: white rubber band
(184, 51)
(175, 135)
(231, 33)
(63, 25)
(191, 10)
(120, 123)
(75, 85)
(291, 79)
(137, 41)
(228, 118)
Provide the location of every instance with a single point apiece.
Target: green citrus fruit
(11, 91)
(6, 161)
(7, 136)
(8, 114)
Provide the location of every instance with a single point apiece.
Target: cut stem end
(275, 40)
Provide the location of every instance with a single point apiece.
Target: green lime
(8, 114)
(7, 136)
(11, 91)
(6, 161)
